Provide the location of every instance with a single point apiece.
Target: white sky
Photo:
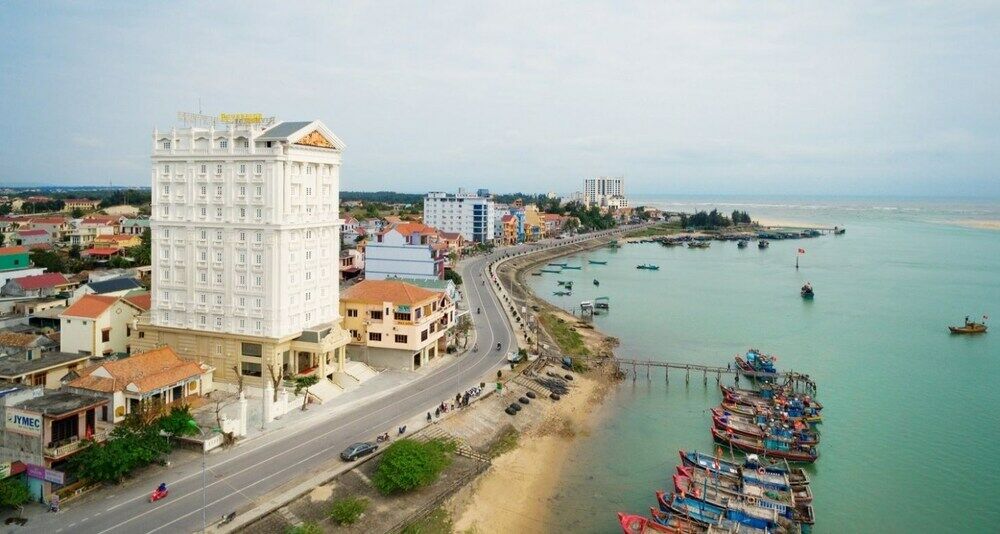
(680, 97)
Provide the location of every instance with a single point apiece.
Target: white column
(268, 397)
(242, 423)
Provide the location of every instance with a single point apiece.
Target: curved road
(243, 476)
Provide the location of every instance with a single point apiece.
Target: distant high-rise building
(245, 246)
(471, 215)
(605, 191)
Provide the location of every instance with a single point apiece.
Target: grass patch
(506, 442)
(409, 464)
(579, 366)
(569, 340)
(437, 522)
(309, 527)
(656, 230)
(347, 511)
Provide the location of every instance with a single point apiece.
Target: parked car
(357, 450)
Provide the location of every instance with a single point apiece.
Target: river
(910, 420)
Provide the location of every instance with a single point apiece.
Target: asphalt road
(245, 474)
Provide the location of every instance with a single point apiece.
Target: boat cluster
(774, 426)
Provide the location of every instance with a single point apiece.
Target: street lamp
(204, 487)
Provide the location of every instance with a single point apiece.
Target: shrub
(13, 492)
(407, 465)
(347, 511)
(453, 276)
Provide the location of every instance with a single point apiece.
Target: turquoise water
(911, 419)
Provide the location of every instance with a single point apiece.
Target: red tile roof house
(36, 236)
(40, 285)
(101, 253)
(157, 377)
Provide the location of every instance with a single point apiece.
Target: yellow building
(396, 325)
(118, 241)
(534, 226)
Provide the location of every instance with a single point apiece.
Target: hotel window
(242, 258)
(423, 336)
(376, 314)
(243, 168)
(246, 144)
(400, 338)
(165, 253)
(166, 316)
(252, 350)
(218, 212)
(259, 237)
(218, 300)
(308, 296)
(166, 145)
(351, 312)
(308, 316)
(258, 325)
(166, 189)
(257, 302)
(218, 169)
(218, 322)
(166, 233)
(309, 254)
(243, 323)
(243, 212)
(309, 191)
(204, 190)
(309, 234)
(257, 259)
(258, 169)
(218, 348)
(309, 170)
(203, 234)
(218, 191)
(202, 255)
(204, 213)
(166, 169)
(218, 255)
(223, 143)
(203, 277)
(309, 275)
(399, 316)
(204, 169)
(218, 235)
(259, 213)
(218, 278)
(202, 320)
(354, 334)
(258, 281)
(202, 297)
(250, 369)
(243, 190)
(243, 236)
(374, 336)
(259, 190)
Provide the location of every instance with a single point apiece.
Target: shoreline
(515, 494)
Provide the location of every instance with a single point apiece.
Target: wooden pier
(798, 381)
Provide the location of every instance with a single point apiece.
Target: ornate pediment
(315, 139)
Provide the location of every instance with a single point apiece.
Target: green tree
(309, 527)
(178, 422)
(77, 213)
(142, 254)
(51, 260)
(408, 464)
(451, 274)
(304, 383)
(3, 239)
(13, 492)
(119, 262)
(347, 511)
(5, 209)
(133, 443)
(74, 251)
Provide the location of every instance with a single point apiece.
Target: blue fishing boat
(648, 267)
(572, 267)
(595, 262)
(562, 293)
(710, 514)
(556, 264)
(753, 500)
(777, 475)
(757, 364)
(550, 270)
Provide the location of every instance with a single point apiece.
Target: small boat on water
(671, 243)
(971, 327)
(648, 267)
(699, 244)
(767, 447)
(839, 231)
(562, 293)
(807, 291)
(742, 243)
(763, 243)
(536, 273)
(769, 397)
(637, 524)
(567, 283)
(550, 271)
(757, 364)
(735, 424)
(792, 414)
(778, 476)
(595, 262)
(554, 264)
(596, 282)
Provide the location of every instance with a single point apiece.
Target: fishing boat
(595, 262)
(742, 243)
(671, 243)
(971, 327)
(648, 266)
(768, 447)
(810, 417)
(807, 291)
(770, 397)
(671, 524)
(757, 364)
(699, 244)
(550, 270)
(557, 264)
(777, 476)
(735, 424)
(562, 293)
(839, 231)
(763, 243)
(614, 244)
(572, 267)
(722, 491)
(567, 283)
(596, 282)
(536, 273)
(709, 514)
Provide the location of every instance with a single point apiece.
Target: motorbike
(475, 348)
(498, 346)
(382, 438)
(157, 495)
(477, 311)
(228, 518)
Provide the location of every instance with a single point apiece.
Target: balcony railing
(72, 446)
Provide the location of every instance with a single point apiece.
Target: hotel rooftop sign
(239, 119)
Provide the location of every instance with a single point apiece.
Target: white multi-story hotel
(245, 247)
(470, 214)
(605, 191)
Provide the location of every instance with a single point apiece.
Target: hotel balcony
(63, 448)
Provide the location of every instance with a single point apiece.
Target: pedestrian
(428, 417)
(437, 412)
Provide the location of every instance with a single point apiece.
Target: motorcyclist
(498, 345)
(477, 311)
(162, 488)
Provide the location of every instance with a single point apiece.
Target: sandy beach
(513, 495)
(981, 224)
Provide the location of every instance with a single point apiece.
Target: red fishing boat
(637, 524)
(744, 425)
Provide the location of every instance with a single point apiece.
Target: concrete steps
(359, 370)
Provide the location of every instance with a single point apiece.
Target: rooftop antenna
(199, 105)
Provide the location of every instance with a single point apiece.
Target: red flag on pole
(802, 251)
